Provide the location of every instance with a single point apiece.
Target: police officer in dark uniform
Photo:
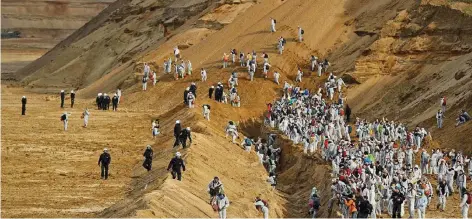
(176, 164)
(210, 91)
(102, 101)
(107, 102)
(148, 153)
(23, 105)
(72, 98)
(63, 96)
(97, 100)
(104, 160)
(177, 130)
(184, 134)
(114, 101)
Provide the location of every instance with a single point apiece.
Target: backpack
(266, 203)
(469, 199)
(275, 21)
(208, 106)
(444, 102)
(349, 129)
(63, 117)
(303, 32)
(248, 142)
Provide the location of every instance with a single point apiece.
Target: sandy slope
(329, 28)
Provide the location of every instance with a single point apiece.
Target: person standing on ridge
(104, 162)
(63, 96)
(23, 105)
(72, 98)
(176, 163)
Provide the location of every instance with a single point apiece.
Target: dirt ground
(47, 172)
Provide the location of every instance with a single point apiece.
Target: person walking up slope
(104, 161)
(465, 203)
(148, 154)
(176, 164)
(223, 203)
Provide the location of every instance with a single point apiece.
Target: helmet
(148, 146)
(72, 91)
(62, 91)
(105, 149)
(188, 128)
(177, 122)
(177, 154)
(24, 97)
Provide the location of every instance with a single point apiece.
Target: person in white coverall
(464, 205)
(223, 203)
(261, 206)
(272, 24)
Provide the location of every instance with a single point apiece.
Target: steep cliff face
(422, 54)
(41, 25)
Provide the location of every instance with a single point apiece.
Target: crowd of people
(376, 173)
(373, 162)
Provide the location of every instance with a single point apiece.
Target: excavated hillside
(398, 57)
(40, 25)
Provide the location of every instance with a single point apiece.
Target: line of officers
(103, 101)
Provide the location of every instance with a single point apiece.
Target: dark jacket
(63, 95)
(104, 159)
(148, 154)
(184, 134)
(23, 101)
(177, 130)
(115, 100)
(176, 163)
(397, 198)
(72, 96)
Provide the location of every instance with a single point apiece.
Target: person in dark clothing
(107, 102)
(185, 95)
(176, 164)
(23, 105)
(63, 96)
(193, 89)
(315, 204)
(348, 113)
(210, 91)
(72, 98)
(97, 101)
(102, 102)
(148, 153)
(365, 208)
(184, 134)
(104, 160)
(397, 198)
(114, 101)
(177, 130)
